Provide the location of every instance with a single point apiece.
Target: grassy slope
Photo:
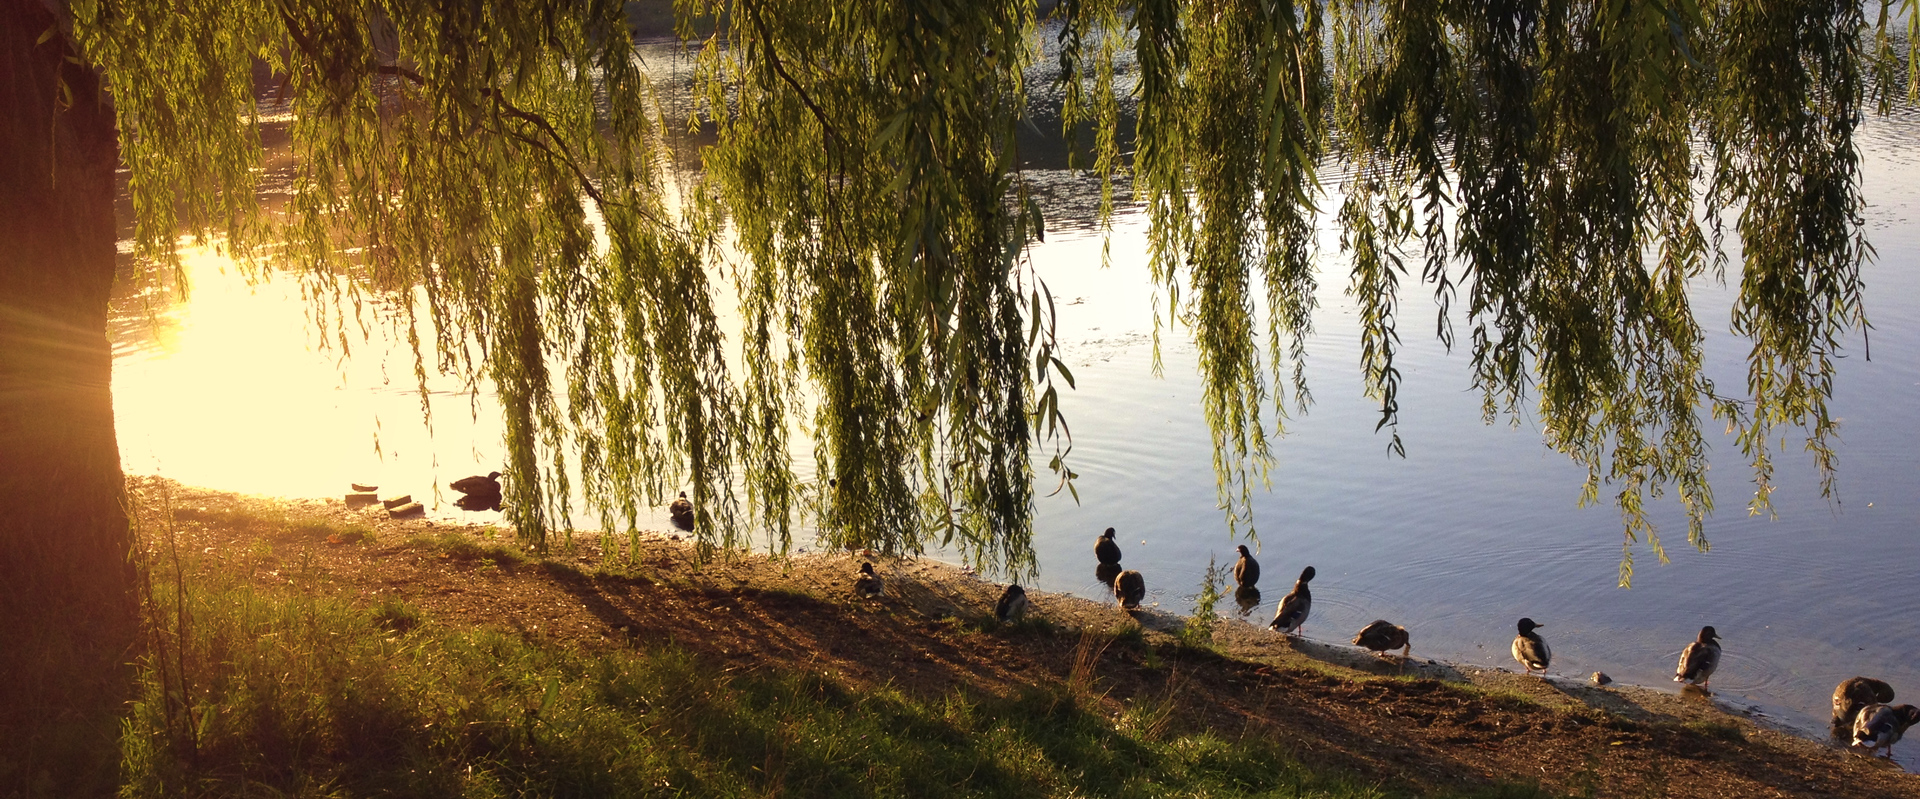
(309, 696)
(301, 649)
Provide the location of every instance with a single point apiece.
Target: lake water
(1475, 528)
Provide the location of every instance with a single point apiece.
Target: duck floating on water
(1295, 606)
(1880, 726)
(477, 492)
(681, 511)
(1699, 659)
(1530, 649)
(1012, 605)
(1382, 636)
(1246, 570)
(1130, 587)
(866, 583)
(1855, 693)
(1106, 549)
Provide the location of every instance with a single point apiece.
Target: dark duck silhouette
(866, 583)
(1856, 693)
(1106, 549)
(1699, 659)
(1880, 726)
(1246, 570)
(1530, 649)
(1130, 587)
(681, 511)
(1381, 637)
(478, 493)
(1012, 605)
(1295, 606)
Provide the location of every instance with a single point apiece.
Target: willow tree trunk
(67, 610)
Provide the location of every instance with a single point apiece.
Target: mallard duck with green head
(1530, 649)
(1699, 659)
(1295, 606)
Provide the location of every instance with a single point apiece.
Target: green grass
(276, 525)
(462, 548)
(1717, 729)
(261, 692)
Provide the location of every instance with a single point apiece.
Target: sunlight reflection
(236, 389)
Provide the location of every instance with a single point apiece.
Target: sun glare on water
(237, 389)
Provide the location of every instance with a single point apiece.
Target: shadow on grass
(299, 695)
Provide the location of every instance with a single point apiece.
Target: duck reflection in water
(1247, 598)
(1106, 573)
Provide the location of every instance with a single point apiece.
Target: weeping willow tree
(1570, 168)
(1564, 169)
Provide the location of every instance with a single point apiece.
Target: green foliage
(463, 548)
(285, 694)
(1563, 171)
(1198, 629)
(1565, 168)
(395, 616)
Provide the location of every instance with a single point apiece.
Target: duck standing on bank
(1246, 570)
(1130, 587)
(1381, 636)
(1295, 606)
(478, 493)
(1530, 649)
(1856, 693)
(1012, 605)
(1699, 659)
(1880, 726)
(681, 512)
(866, 584)
(1106, 549)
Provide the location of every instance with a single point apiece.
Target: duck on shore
(1130, 587)
(1855, 693)
(1382, 636)
(1699, 659)
(1295, 606)
(866, 583)
(1880, 726)
(1530, 649)
(1012, 605)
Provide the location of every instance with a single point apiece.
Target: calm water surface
(1476, 527)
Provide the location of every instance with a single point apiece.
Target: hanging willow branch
(1542, 162)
